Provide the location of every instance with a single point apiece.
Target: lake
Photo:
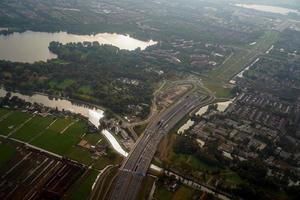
(32, 46)
(271, 9)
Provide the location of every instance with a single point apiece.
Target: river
(32, 46)
(92, 113)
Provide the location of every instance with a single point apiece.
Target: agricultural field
(60, 124)
(30, 173)
(12, 121)
(33, 128)
(6, 153)
(3, 112)
(58, 142)
(82, 187)
(58, 135)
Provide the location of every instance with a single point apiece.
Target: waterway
(270, 9)
(32, 46)
(92, 113)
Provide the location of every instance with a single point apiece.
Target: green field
(60, 124)
(80, 155)
(140, 129)
(76, 130)
(161, 193)
(3, 111)
(82, 188)
(190, 161)
(182, 193)
(93, 139)
(84, 155)
(6, 153)
(13, 121)
(85, 90)
(46, 133)
(231, 177)
(32, 128)
(58, 142)
(62, 85)
(217, 87)
(216, 79)
(66, 83)
(111, 159)
(242, 57)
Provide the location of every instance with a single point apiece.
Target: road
(99, 183)
(196, 84)
(131, 174)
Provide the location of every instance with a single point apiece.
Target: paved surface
(135, 167)
(99, 183)
(154, 109)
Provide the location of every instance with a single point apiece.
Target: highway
(132, 172)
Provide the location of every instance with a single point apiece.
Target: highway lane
(176, 112)
(135, 167)
(99, 184)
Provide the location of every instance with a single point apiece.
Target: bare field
(170, 95)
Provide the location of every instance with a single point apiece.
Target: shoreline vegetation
(125, 85)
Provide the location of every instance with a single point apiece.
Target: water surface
(92, 113)
(33, 46)
(271, 9)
